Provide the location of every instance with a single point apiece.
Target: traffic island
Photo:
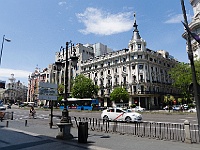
(64, 131)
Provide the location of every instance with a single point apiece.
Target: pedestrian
(32, 111)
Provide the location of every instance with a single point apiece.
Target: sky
(38, 28)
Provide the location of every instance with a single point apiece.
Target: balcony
(116, 84)
(95, 78)
(141, 81)
(134, 82)
(101, 86)
(108, 85)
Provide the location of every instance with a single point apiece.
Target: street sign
(47, 91)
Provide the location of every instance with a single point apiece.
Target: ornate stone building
(194, 26)
(14, 91)
(143, 72)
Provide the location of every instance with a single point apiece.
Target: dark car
(22, 105)
(9, 106)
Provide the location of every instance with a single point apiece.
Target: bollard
(82, 132)
(12, 115)
(7, 122)
(25, 123)
(187, 131)
(115, 126)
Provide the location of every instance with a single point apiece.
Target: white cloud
(99, 22)
(62, 3)
(6, 73)
(177, 18)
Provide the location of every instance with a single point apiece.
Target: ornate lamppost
(4, 39)
(74, 59)
(65, 122)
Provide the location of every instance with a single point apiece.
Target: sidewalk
(37, 135)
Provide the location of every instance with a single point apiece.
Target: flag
(194, 35)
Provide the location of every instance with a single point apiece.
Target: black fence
(155, 130)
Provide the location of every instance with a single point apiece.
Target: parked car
(46, 106)
(191, 110)
(138, 108)
(2, 107)
(176, 107)
(119, 114)
(166, 108)
(185, 106)
(22, 105)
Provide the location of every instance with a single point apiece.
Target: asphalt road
(161, 116)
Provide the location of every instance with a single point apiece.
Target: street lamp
(191, 58)
(4, 39)
(74, 59)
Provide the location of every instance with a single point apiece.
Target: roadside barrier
(182, 132)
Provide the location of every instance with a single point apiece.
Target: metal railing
(155, 130)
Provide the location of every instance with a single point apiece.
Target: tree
(182, 77)
(119, 94)
(61, 88)
(84, 87)
(168, 99)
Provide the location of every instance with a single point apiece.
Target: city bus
(83, 103)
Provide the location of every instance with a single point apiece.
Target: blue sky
(38, 28)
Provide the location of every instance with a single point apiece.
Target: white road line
(97, 148)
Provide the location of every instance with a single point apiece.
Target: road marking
(97, 148)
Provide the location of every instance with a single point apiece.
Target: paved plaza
(37, 134)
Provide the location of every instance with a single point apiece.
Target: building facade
(143, 72)
(15, 91)
(194, 26)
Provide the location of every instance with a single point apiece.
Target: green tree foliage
(61, 88)
(84, 87)
(119, 94)
(181, 75)
(168, 99)
(182, 78)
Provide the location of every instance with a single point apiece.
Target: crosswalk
(19, 115)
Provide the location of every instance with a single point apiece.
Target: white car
(138, 108)
(118, 114)
(2, 107)
(191, 110)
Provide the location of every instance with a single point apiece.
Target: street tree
(168, 99)
(61, 88)
(84, 87)
(182, 77)
(119, 95)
